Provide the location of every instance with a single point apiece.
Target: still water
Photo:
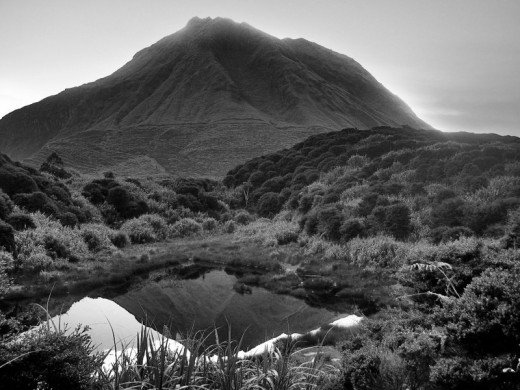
(205, 302)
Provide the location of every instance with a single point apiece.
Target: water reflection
(197, 304)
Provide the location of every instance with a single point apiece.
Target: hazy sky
(455, 62)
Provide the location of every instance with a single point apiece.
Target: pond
(206, 301)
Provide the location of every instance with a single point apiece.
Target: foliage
(187, 227)
(209, 224)
(6, 205)
(146, 228)
(230, 226)
(49, 359)
(21, 221)
(7, 237)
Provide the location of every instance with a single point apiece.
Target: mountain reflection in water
(196, 304)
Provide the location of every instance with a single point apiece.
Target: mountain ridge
(226, 89)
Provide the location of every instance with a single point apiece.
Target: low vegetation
(419, 230)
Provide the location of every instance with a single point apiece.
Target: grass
(154, 364)
(159, 362)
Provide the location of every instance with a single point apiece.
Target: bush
(16, 182)
(138, 231)
(445, 234)
(512, 239)
(397, 221)
(243, 218)
(20, 221)
(36, 263)
(187, 227)
(46, 359)
(6, 265)
(92, 239)
(268, 204)
(7, 237)
(94, 193)
(485, 318)
(285, 237)
(36, 201)
(68, 219)
(125, 203)
(146, 228)
(56, 247)
(329, 222)
(379, 251)
(119, 239)
(6, 206)
(209, 224)
(352, 228)
(230, 227)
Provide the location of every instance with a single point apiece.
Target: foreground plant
(162, 363)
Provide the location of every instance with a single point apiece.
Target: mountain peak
(219, 90)
(197, 23)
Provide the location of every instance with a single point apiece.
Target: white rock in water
(347, 322)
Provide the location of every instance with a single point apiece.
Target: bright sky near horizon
(455, 62)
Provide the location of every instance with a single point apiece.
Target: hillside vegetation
(439, 214)
(420, 229)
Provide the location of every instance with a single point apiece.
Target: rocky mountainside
(202, 100)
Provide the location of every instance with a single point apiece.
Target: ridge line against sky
(454, 62)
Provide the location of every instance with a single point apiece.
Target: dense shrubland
(437, 213)
(433, 216)
(54, 221)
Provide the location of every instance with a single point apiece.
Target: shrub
(397, 221)
(16, 182)
(36, 201)
(485, 318)
(6, 265)
(268, 204)
(448, 213)
(230, 226)
(36, 263)
(138, 231)
(243, 218)
(379, 251)
(285, 237)
(7, 237)
(68, 219)
(54, 165)
(329, 222)
(352, 228)
(119, 239)
(20, 221)
(46, 359)
(56, 247)
(446, 234)
(146, 228)
(512, 238)
(94, 193)
(92, 239)
(209, 224)
(187, 227)
(6, 205)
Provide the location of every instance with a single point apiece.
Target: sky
(456, 63)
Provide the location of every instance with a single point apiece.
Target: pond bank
(284, 270)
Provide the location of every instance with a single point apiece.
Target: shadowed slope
(202, 100)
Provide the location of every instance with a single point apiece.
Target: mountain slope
(202, 100)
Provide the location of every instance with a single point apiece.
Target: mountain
(202, 100)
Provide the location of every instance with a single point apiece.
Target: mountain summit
(202, 100)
